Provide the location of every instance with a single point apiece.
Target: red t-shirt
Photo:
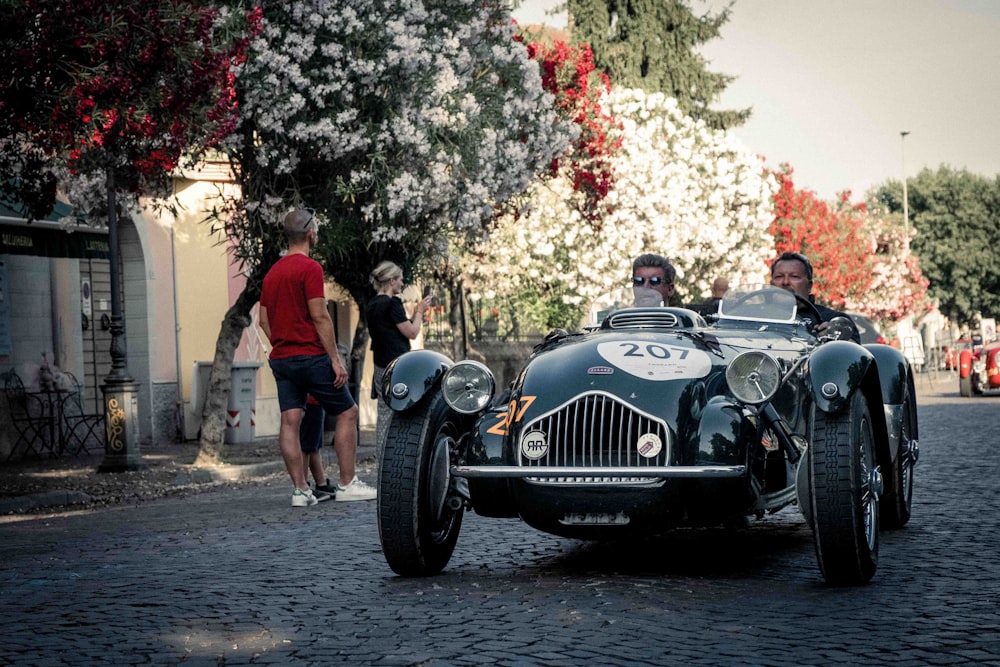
(288, 286)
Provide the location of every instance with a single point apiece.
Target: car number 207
(514, 413)
(653, 360)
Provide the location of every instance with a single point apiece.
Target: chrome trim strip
(661, 472)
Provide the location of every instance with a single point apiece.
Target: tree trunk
(213, 415)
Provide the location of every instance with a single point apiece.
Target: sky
(833, 85)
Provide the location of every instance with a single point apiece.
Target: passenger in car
(656, 273)
(793, 271)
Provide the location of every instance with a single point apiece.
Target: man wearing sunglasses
(793, 271)
(304, 357)
(656, 273)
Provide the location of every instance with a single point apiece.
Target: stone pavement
(70, 483)
(238, 577)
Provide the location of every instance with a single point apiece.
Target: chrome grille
(594, 431)
(644, 319)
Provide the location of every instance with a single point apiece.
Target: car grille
(593, 431)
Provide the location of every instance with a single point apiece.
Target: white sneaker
(302, 498)
(356, 490)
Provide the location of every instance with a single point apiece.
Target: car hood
(655, 371)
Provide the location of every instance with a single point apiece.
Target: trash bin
(241, 413)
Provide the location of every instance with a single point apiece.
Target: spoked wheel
(845, 485)
(419, 517)
(897, 504)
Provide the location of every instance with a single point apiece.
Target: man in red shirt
(304, 357)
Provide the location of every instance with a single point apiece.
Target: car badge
(649, 445)
(600, 370)
(534, 445)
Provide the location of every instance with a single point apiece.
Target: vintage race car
(654, 419)
(979, 368)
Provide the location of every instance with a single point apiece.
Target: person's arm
(411, 327)
(324, 328)
(265, 324)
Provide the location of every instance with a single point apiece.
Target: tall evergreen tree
(651, 44)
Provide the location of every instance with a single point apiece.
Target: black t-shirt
(388, 342)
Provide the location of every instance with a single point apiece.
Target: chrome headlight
(468, 387)
(753, 377)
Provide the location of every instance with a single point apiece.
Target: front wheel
(965, 387)
(419, 515)
(844, 485)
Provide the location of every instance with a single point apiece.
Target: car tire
(419, 519)
(844, 485)
(965, 387)
(898, 504)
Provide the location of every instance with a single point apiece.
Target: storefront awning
(45, 238)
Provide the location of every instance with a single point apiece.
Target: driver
(792, 271)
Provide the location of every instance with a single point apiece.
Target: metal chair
(32, 417)
(79, 432)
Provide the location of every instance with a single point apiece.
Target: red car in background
(979, 367)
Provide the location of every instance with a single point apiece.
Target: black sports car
(657, 418)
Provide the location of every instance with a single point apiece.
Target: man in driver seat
(792, 271)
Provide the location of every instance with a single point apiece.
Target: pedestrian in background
(304, 358)
(311, 433)
(391, 331)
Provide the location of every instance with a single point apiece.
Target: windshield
(770, 304)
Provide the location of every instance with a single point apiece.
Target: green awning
(44, 238)
(48, 242)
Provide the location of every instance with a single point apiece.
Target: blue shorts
(298, 377)
(311, 429)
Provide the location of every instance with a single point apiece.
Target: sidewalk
(74, 483)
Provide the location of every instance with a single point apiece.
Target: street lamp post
(121, 391)
(906, 202)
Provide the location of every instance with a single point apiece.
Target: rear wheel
(896, 506)
(845, 484)
(419, 516)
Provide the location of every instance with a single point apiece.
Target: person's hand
(339, 374)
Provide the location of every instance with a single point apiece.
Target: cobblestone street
(235, 576)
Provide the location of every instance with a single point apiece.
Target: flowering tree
(119, 88)
(680, 189)
(833, 236)
(406, 124)
(568, 73)
(103, 97)
(898, 287)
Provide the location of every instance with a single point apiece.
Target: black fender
(411, 376)
(893, 372)
(722, 434)
(836, 370)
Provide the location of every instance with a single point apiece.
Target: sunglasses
(312, 216)
(653, 281)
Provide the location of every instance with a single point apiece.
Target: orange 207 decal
(512, 414)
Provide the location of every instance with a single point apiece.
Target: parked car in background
(869, 332)
(979, 367)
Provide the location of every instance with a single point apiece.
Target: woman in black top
(391, 331)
